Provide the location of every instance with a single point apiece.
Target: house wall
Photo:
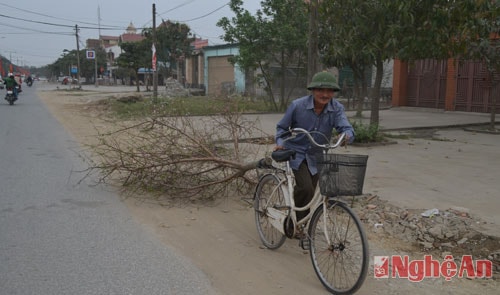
(211, 74)
(194, 71)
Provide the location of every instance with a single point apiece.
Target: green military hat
(324, 80)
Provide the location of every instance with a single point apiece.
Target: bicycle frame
(286, 183)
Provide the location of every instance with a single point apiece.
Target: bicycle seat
(283, 155)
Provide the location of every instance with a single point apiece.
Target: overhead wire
(205, 15)
(88, 25)
(56, 25)
(45, 15)
(178, 6)
(32, 30)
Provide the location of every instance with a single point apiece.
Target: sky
(36, 32)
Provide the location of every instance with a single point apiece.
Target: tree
(362, 34)
(61, 67)
(480, 41)
(348, 47)
(367, 33)
(273, 43)
(88, 66)
(173, 41)
(135, 55)
(464, 29)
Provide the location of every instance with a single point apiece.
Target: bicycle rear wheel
(341, 263)
(268, 195)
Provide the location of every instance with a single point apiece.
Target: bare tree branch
(179, 157)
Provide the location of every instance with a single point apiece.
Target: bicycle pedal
(305, 244)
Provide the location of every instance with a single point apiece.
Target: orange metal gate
(475, 87)
(427, 83)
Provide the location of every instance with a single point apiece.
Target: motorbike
(29, 83)
(10, 96)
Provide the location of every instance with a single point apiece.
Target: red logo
(397, 266)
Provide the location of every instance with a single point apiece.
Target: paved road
(60, 237)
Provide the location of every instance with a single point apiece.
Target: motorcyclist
(29, 80)
(11, 83)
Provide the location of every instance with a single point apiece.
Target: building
(111, 45)
(221, 76)
(194, 65)
(209, 68)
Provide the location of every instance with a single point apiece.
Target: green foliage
(135, 55)
(270, 42)
(70, 58)
(173, 42)
(185, 106)
(366, 134)
(362, 33)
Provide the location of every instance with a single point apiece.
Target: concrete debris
(174, 88)
(430, 212)
(453, 230)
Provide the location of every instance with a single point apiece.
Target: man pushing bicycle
(318, 112)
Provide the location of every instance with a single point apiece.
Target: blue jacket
(301, 114)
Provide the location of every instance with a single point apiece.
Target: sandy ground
(223, 242)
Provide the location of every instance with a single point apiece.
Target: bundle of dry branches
(179, 157)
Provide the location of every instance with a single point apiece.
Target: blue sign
(74, 70)
(90, 54)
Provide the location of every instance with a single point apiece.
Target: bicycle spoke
(341, 264)
(268, 195)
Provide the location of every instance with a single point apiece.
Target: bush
(365, 134)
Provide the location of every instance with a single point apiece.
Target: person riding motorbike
(29, 81)
(11, 83)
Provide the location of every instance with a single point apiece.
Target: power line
(178, 6)
(205, 15)
(32, 30)
(41, 14)
(57, 25)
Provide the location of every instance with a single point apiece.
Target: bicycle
(335, 237)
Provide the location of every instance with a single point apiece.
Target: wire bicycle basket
(341, 174)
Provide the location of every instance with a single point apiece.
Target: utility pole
(78, 56)
(95, 64)
(312, 49)
(155, 72)
(10, 55)
(99, 20)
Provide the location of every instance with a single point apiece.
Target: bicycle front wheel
(269, 194)
(339, 248)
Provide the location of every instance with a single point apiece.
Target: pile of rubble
(174, 88)
(448, 232)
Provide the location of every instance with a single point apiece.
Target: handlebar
(295, 131)
(286, 155)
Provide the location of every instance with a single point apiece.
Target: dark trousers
(305, 185)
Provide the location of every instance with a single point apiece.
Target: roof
(109, 37)
(131, 37)
(222, 46)
(199, 43)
